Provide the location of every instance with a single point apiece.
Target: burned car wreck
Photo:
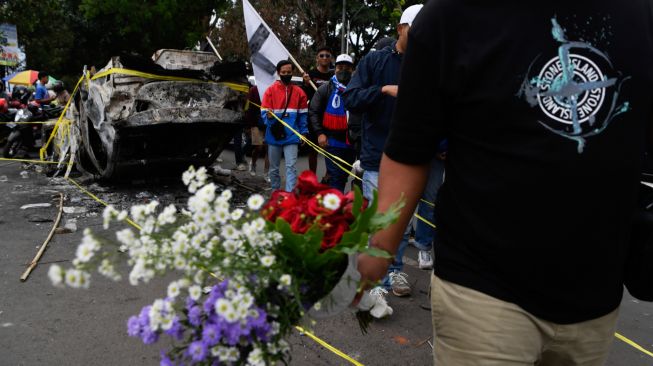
(179, 109)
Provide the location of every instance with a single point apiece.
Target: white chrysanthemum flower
(253, 313)
(150, 208)
(188, 175)
(56, 275)
(258, 224)
(77, 279)
(331, 201)
(126, 236)
(84, 252)
(223, 306)
(267, 260)
(122, 215)
(226, 194)
(233, 354)
(255, 358)
(138, 213)
(167, 216)
(237, 214)
(317, 306)
(222, 216)
(231, 316)
(255, 202)
(180, 263)
(107, 270)
(229, 232)
(108, 214)
(195, 292)
(285, 280)
(201, 176)
(173, 289)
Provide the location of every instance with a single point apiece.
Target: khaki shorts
(258, 136)
(472, 328)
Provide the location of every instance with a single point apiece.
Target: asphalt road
(43, 325)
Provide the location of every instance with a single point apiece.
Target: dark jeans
(239, 151)
(338, 177)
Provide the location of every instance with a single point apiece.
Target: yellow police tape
(328, 346)
(234, 86)
(300, 329)
(312, 336)
(633, 344)
(337, 160)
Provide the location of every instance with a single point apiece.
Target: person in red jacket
(287, 102)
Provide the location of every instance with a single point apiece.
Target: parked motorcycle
(23, 133)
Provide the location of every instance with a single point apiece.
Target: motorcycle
(23, 133)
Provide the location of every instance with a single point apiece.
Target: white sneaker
(399, 283)
(252, 171)
(425, 259)
(379, 306)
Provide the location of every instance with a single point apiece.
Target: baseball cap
(409, 14)
(344, 58)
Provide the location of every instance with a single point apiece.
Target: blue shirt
(41, 92)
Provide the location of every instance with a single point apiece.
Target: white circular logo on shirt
(558, 106)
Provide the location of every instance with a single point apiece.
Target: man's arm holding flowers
(397, 181)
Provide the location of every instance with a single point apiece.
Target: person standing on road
(287, 102)
(329, 121)
(547, 124)
(257, 129)
(372, 92)
(320, 75)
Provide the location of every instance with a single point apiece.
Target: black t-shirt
(546, 107)
(319, 79)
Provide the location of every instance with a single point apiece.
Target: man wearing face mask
(289, 103)
(329, 120)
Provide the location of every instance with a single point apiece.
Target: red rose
(317, 206)
(307, 184)
(333, 233)
(279, 202)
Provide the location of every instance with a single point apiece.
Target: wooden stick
(214, 49)
(35, 261)
(300, 69)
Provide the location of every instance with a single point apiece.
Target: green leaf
(376, 252)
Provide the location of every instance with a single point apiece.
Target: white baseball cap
(344, 58)
(409, 14)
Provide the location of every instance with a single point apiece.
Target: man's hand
(302, 142)
(372, 270)
(270, 114)
(322, 140)
(307, 79)
(390, 90)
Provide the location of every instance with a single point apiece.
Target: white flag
(265, 48)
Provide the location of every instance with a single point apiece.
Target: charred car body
(129, 125)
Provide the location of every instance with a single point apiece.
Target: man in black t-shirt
(546, 108)
(320, 75)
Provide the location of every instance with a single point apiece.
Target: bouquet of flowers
(247, 276)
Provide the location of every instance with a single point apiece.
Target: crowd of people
(345, 108)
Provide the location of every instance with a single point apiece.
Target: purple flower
(176, 330)
(148, 336)
(195, 316)
(190, 303)
(197, 351)
(232, 332)
(165, 361)
(211, 335)
(133, 326)
(144, 316)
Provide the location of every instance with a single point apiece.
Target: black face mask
(285, 79)
(344, 76)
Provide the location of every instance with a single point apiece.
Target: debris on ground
(74, 210)
(35, 205)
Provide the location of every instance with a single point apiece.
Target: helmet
(58, 87)
(22, 94)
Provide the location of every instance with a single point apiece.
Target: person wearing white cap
(329, 121)
(372, 92)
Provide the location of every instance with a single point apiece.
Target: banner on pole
(265, 48)
(9, 51)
